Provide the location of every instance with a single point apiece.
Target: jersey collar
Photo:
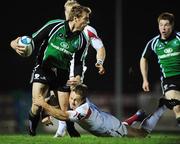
(70, 34)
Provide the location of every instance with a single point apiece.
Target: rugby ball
(28, 43)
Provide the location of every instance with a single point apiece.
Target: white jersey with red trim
(97, 122)
(92, 39)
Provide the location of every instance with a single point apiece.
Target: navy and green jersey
(57, 45)
(167, 52)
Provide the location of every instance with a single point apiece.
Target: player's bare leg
(38, 90)
(52, 99)
(64, 103)
(63, 98)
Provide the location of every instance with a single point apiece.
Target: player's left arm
(97, 44)
(100, 57)
(51, 110)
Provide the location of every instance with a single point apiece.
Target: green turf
(89, 139)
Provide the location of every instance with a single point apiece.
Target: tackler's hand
(74, 81)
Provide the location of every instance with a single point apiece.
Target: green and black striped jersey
(57, 45)
(167, 52)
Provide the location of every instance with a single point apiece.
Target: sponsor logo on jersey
(43, 78)
(169, 55)
(36, 76)
(165, 87)
(64, 45)
(61, 49)
(168, 50)
(160, 46)
(168, 86)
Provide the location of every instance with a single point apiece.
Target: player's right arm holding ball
(17, 47)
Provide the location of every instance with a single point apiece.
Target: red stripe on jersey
(91, 34)
(88, 114)
(75, 114)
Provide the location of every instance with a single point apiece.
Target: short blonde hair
(77, 11)
(70, 3)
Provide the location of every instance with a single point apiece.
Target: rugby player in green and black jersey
(58, 41)
(166, 47)
(95, 42)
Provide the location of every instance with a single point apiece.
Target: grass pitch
(89, 139)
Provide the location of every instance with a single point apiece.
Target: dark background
(139, 25)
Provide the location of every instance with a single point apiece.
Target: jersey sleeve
(147, 53)
(81, 113)
(76, 116)
(43, 33)
(93, 38)
(78, 58)
(73, 115)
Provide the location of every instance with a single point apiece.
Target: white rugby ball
(28, 43)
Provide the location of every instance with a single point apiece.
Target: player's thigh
(63, 98)
(172, 94)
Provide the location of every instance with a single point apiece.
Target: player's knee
(64, 107)
(35, 109)
(177, 110)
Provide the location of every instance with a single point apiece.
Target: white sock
(61, 127)
(150, 123)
